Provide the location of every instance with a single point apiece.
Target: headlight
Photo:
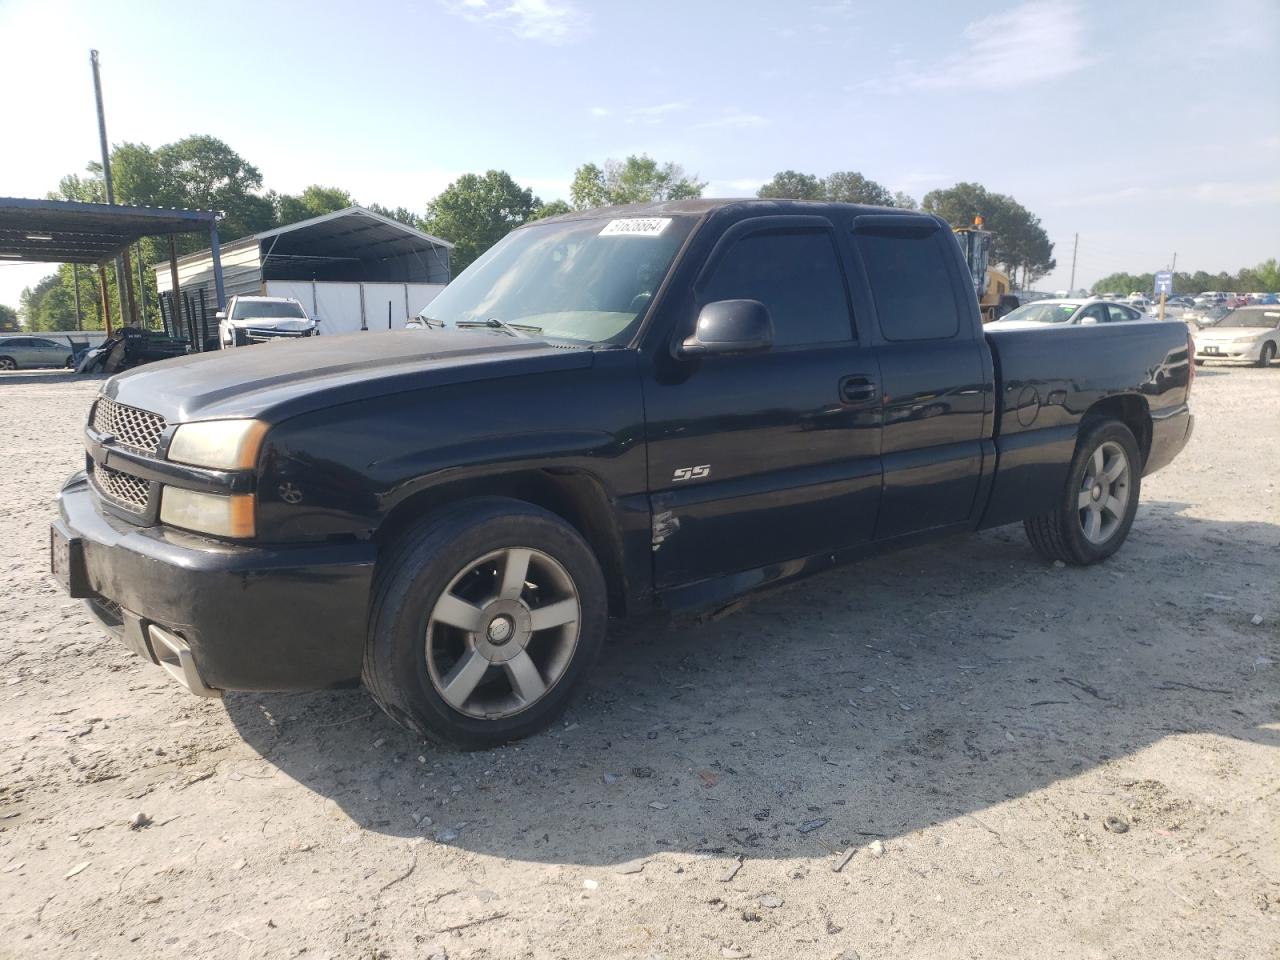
(221, 444)
(212, 513)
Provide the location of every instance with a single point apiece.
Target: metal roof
(67, 231)
(353, 232)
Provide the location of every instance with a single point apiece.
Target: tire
(1267, 354)
(8, 363)
(414, 657)
(1068, 533)
(70, 364)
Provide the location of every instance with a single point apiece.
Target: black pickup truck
(610, 412)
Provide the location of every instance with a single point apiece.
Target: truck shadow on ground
(867, 702)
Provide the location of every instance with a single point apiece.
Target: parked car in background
(259, 319)
(1209, 298)
(1067, 312)
(1250, 334)
(23, 352)
(1237, 301)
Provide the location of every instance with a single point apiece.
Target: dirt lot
(962, 719)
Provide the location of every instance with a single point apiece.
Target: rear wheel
(1267, 355)
(484, 620)
(1097, 507)
(7, 363)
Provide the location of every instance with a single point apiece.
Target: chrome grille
(130, 426)
(124, 489)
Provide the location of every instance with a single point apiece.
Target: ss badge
(691, 473)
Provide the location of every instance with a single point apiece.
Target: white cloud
(736, 120)
(1253, 193)
(655, 113)
(600, 111)
(549, 21)
(1032, 43)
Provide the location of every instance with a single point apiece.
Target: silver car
(24, 352)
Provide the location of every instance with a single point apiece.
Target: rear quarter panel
(1051, 379)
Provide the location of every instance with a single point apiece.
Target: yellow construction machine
(993, 287)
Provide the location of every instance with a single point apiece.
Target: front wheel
(7, 363)
(484, 620)
(1097, 507)
(1267, 355)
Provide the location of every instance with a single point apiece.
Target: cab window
(796, 274)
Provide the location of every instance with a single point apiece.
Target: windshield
(587, 281)
(1212, 316)
(1248, 317)
(266, 310)
(1043, 312)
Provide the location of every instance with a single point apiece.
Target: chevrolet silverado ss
(661, 407)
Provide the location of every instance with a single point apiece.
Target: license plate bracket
(66, 563)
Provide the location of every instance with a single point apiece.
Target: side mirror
(220, 315)
(729, 326)
(1087, 321)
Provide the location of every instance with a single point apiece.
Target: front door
(763, 458)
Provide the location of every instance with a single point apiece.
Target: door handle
(858, 389)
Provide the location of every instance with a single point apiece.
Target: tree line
(1264, 278)
(473, 212)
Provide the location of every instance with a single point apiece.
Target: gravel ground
(915, 757)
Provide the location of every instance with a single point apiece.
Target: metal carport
(68, 231)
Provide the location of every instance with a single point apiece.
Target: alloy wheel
(1104, 492)
(503, 632)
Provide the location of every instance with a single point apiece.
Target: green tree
(843, 186)
(314, 201)
(849, 186)
(792, 185)
(1021, 244)
(552, 208)
(8, 319)
(402, 214)
(904, 201)
(637, 179)
(476, 211)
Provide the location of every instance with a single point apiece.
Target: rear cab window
(910, 278)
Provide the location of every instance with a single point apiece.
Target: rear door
(935, 369)
(50, 353)
(769, 457)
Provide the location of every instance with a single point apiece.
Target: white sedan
(1247, 333)
(1065, 312)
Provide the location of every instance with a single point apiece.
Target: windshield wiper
(515, 329)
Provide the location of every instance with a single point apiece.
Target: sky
(1146, 127)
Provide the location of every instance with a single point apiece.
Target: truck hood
(274, 381)
(271, 323)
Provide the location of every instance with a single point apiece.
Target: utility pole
(75, 286)
(1075, 246)
(142, 287)
(121, 276)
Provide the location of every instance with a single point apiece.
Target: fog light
(212, 513)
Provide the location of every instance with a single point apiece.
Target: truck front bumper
(217, 616)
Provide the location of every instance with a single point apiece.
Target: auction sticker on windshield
(635, 227)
